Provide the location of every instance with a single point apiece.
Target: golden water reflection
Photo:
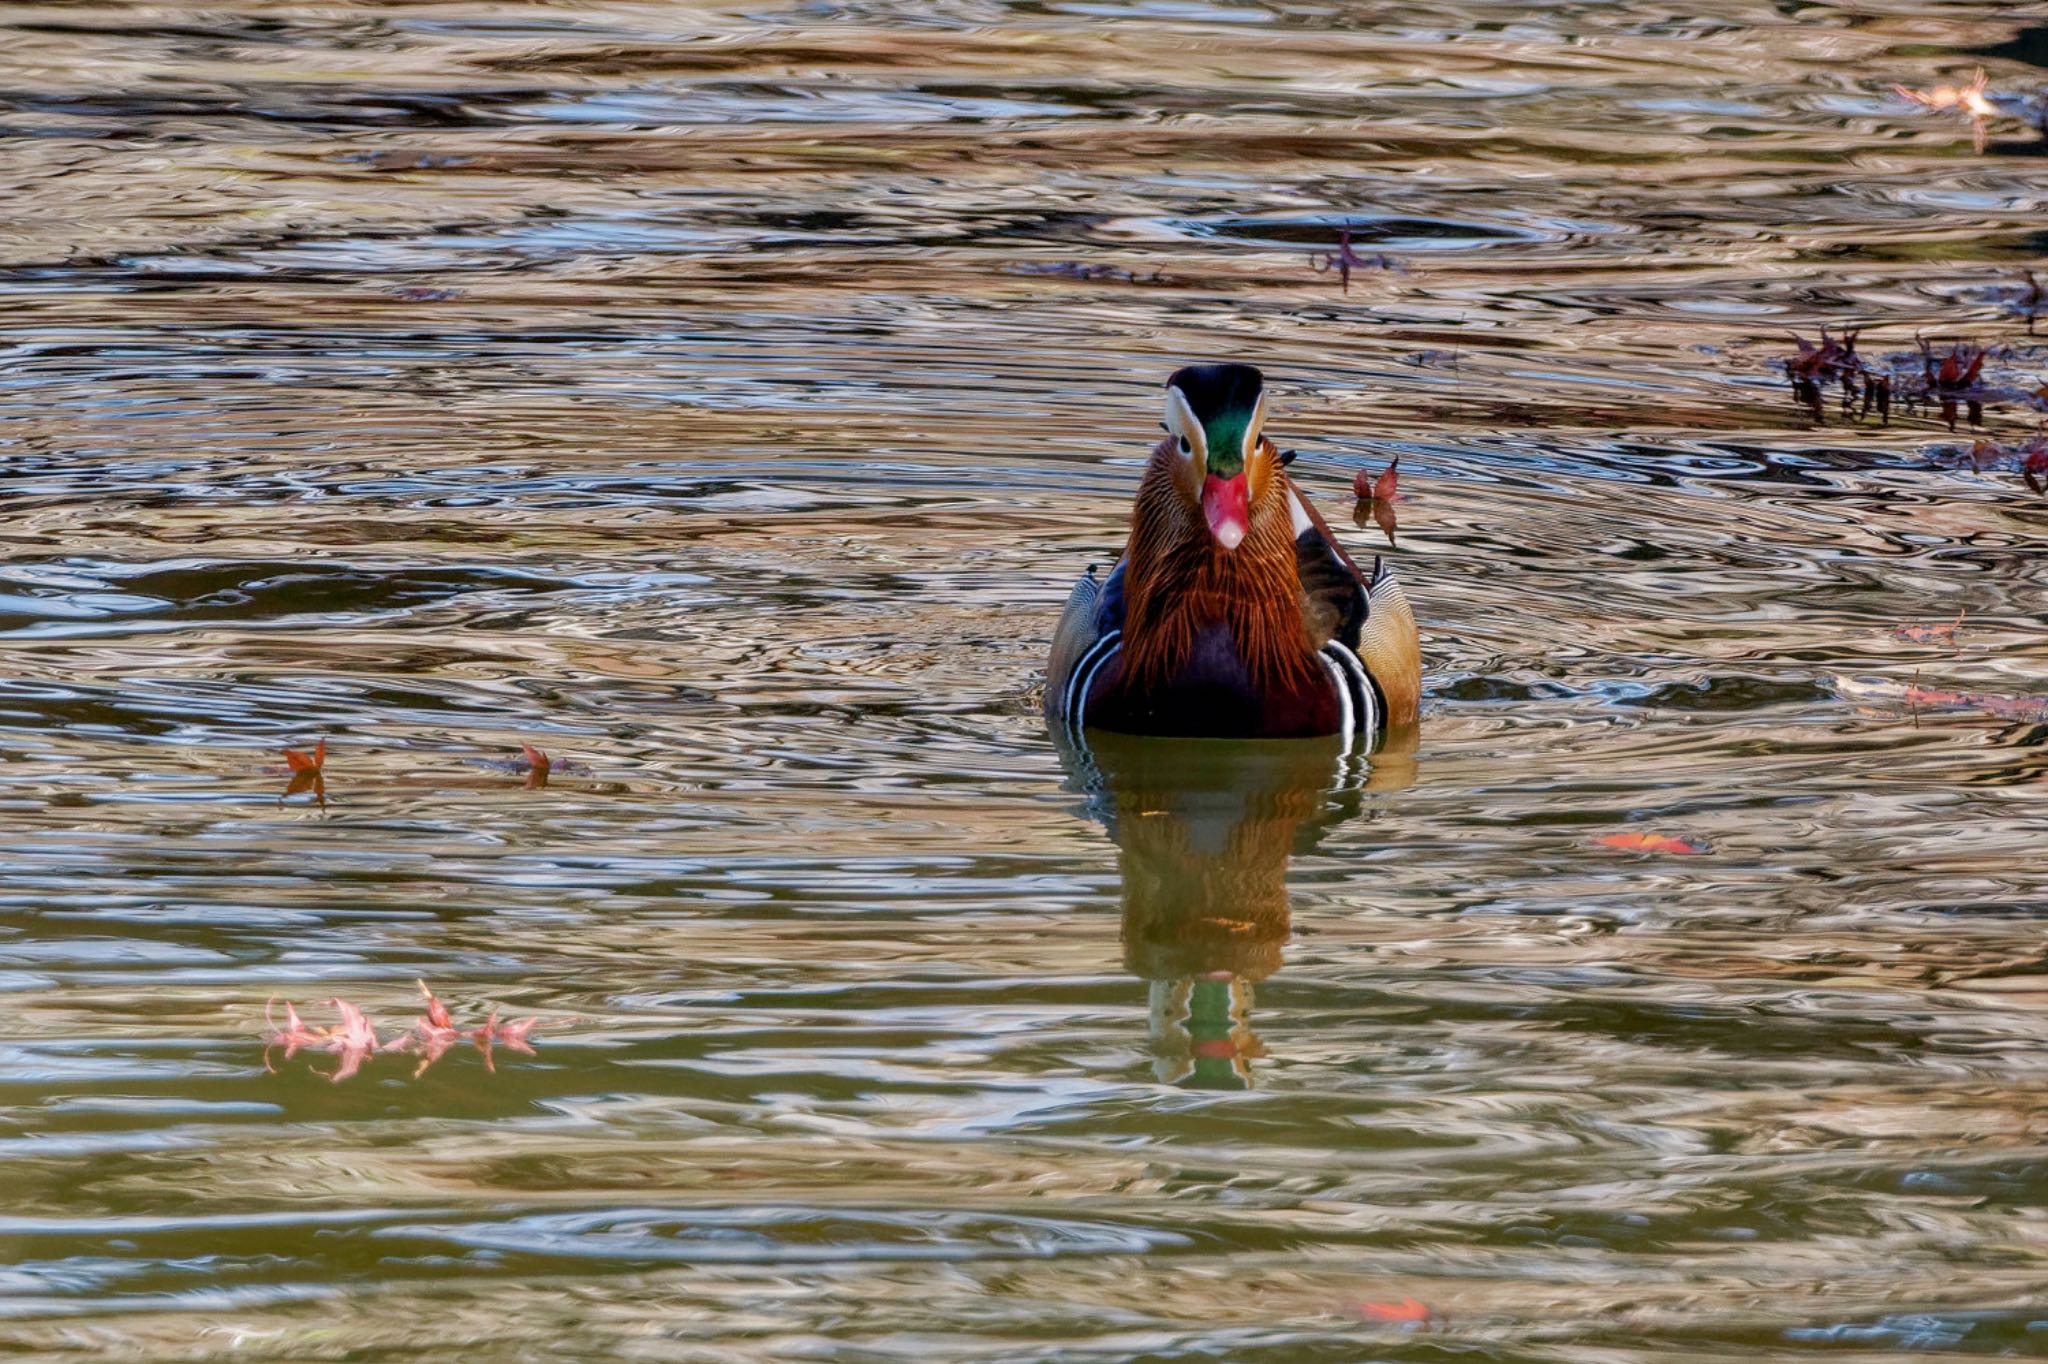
(1205, 832)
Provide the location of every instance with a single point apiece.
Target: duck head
(1214, 416)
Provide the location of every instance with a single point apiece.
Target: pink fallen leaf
(432, 1034)
(2008, 707)
(437, 1016)
(1930, 634)
(1872, 690)
(429, 1047)
(292, 1036)
(1344, 260)
(512, 1034)
(352, 1040)
(1657, 843)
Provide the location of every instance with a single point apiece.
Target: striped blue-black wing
(1087, 638)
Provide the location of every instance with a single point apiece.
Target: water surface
(723, 399)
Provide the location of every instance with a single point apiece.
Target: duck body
(1233, 611)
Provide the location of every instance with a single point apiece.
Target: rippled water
(722, 400)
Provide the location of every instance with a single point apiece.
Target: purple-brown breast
(1213, 694)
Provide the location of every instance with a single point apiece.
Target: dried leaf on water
(1650, 843)
(1376, 498)
(1954, 379)
(1383, 517)
(1930, 634)
(1917, 697)
(537, 766)
(306, 762)
(437, 1016)
(307, 773)
(354, 1038)
(1406, 1310)
(1373, 512)
(1344, 260)
(1833, 360)
(2029, 459)
(1973, 100)
(1385, 488)
(512, 1034)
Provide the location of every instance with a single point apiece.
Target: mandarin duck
(1233, 611)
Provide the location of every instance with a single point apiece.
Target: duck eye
(1185, 448)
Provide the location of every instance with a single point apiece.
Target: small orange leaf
(1408, 1309)
(1657, 843)
(306, 762)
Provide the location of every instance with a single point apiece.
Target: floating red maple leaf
(354, 1039)
(1406, 1310)
(537, 765)
(306, 762)
(1385, 488)
(512, 1034)
(1377, 496)
(432, 1034)
(1955, 379)
(306, 773)
(1834, 360)
(1656, 843)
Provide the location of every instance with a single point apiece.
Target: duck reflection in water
(1205, 832)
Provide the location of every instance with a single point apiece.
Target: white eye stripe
(1180, 420)
(1255, 426)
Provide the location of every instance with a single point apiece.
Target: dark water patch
(69, 596)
